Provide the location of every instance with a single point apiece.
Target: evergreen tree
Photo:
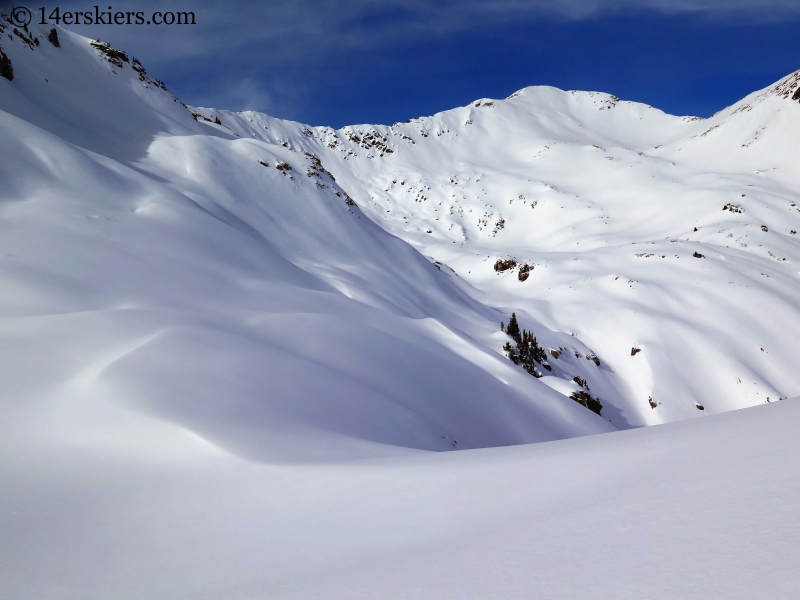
(53, 37)
(511, 353)
(513, 329)
(528, 353)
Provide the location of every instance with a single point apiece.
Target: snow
(238, 357)
(698, 509)
(608, 201)
(251, 305)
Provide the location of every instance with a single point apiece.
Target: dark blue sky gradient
(683, 63)
(671, 63)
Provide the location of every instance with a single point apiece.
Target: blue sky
(364, 61)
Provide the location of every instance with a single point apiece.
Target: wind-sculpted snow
(692, 510)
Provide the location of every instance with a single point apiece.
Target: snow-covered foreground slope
(675, 236)
(693, 510)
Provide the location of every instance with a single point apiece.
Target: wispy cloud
(286, 56)
(282, 30)
(244, 94)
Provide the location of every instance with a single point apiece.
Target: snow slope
(233, 348)
(169, 268)
(692, 510)
(608, 202)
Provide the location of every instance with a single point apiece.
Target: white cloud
(245, 94)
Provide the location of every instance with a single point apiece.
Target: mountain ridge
(399, 197)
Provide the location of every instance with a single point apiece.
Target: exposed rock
(504, 265)
(114, 56)
(6, 69)
(587, 400)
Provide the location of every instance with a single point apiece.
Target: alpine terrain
(238, 353)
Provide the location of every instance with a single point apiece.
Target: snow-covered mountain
(194, 301)
(228, 284)
(666, 246)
